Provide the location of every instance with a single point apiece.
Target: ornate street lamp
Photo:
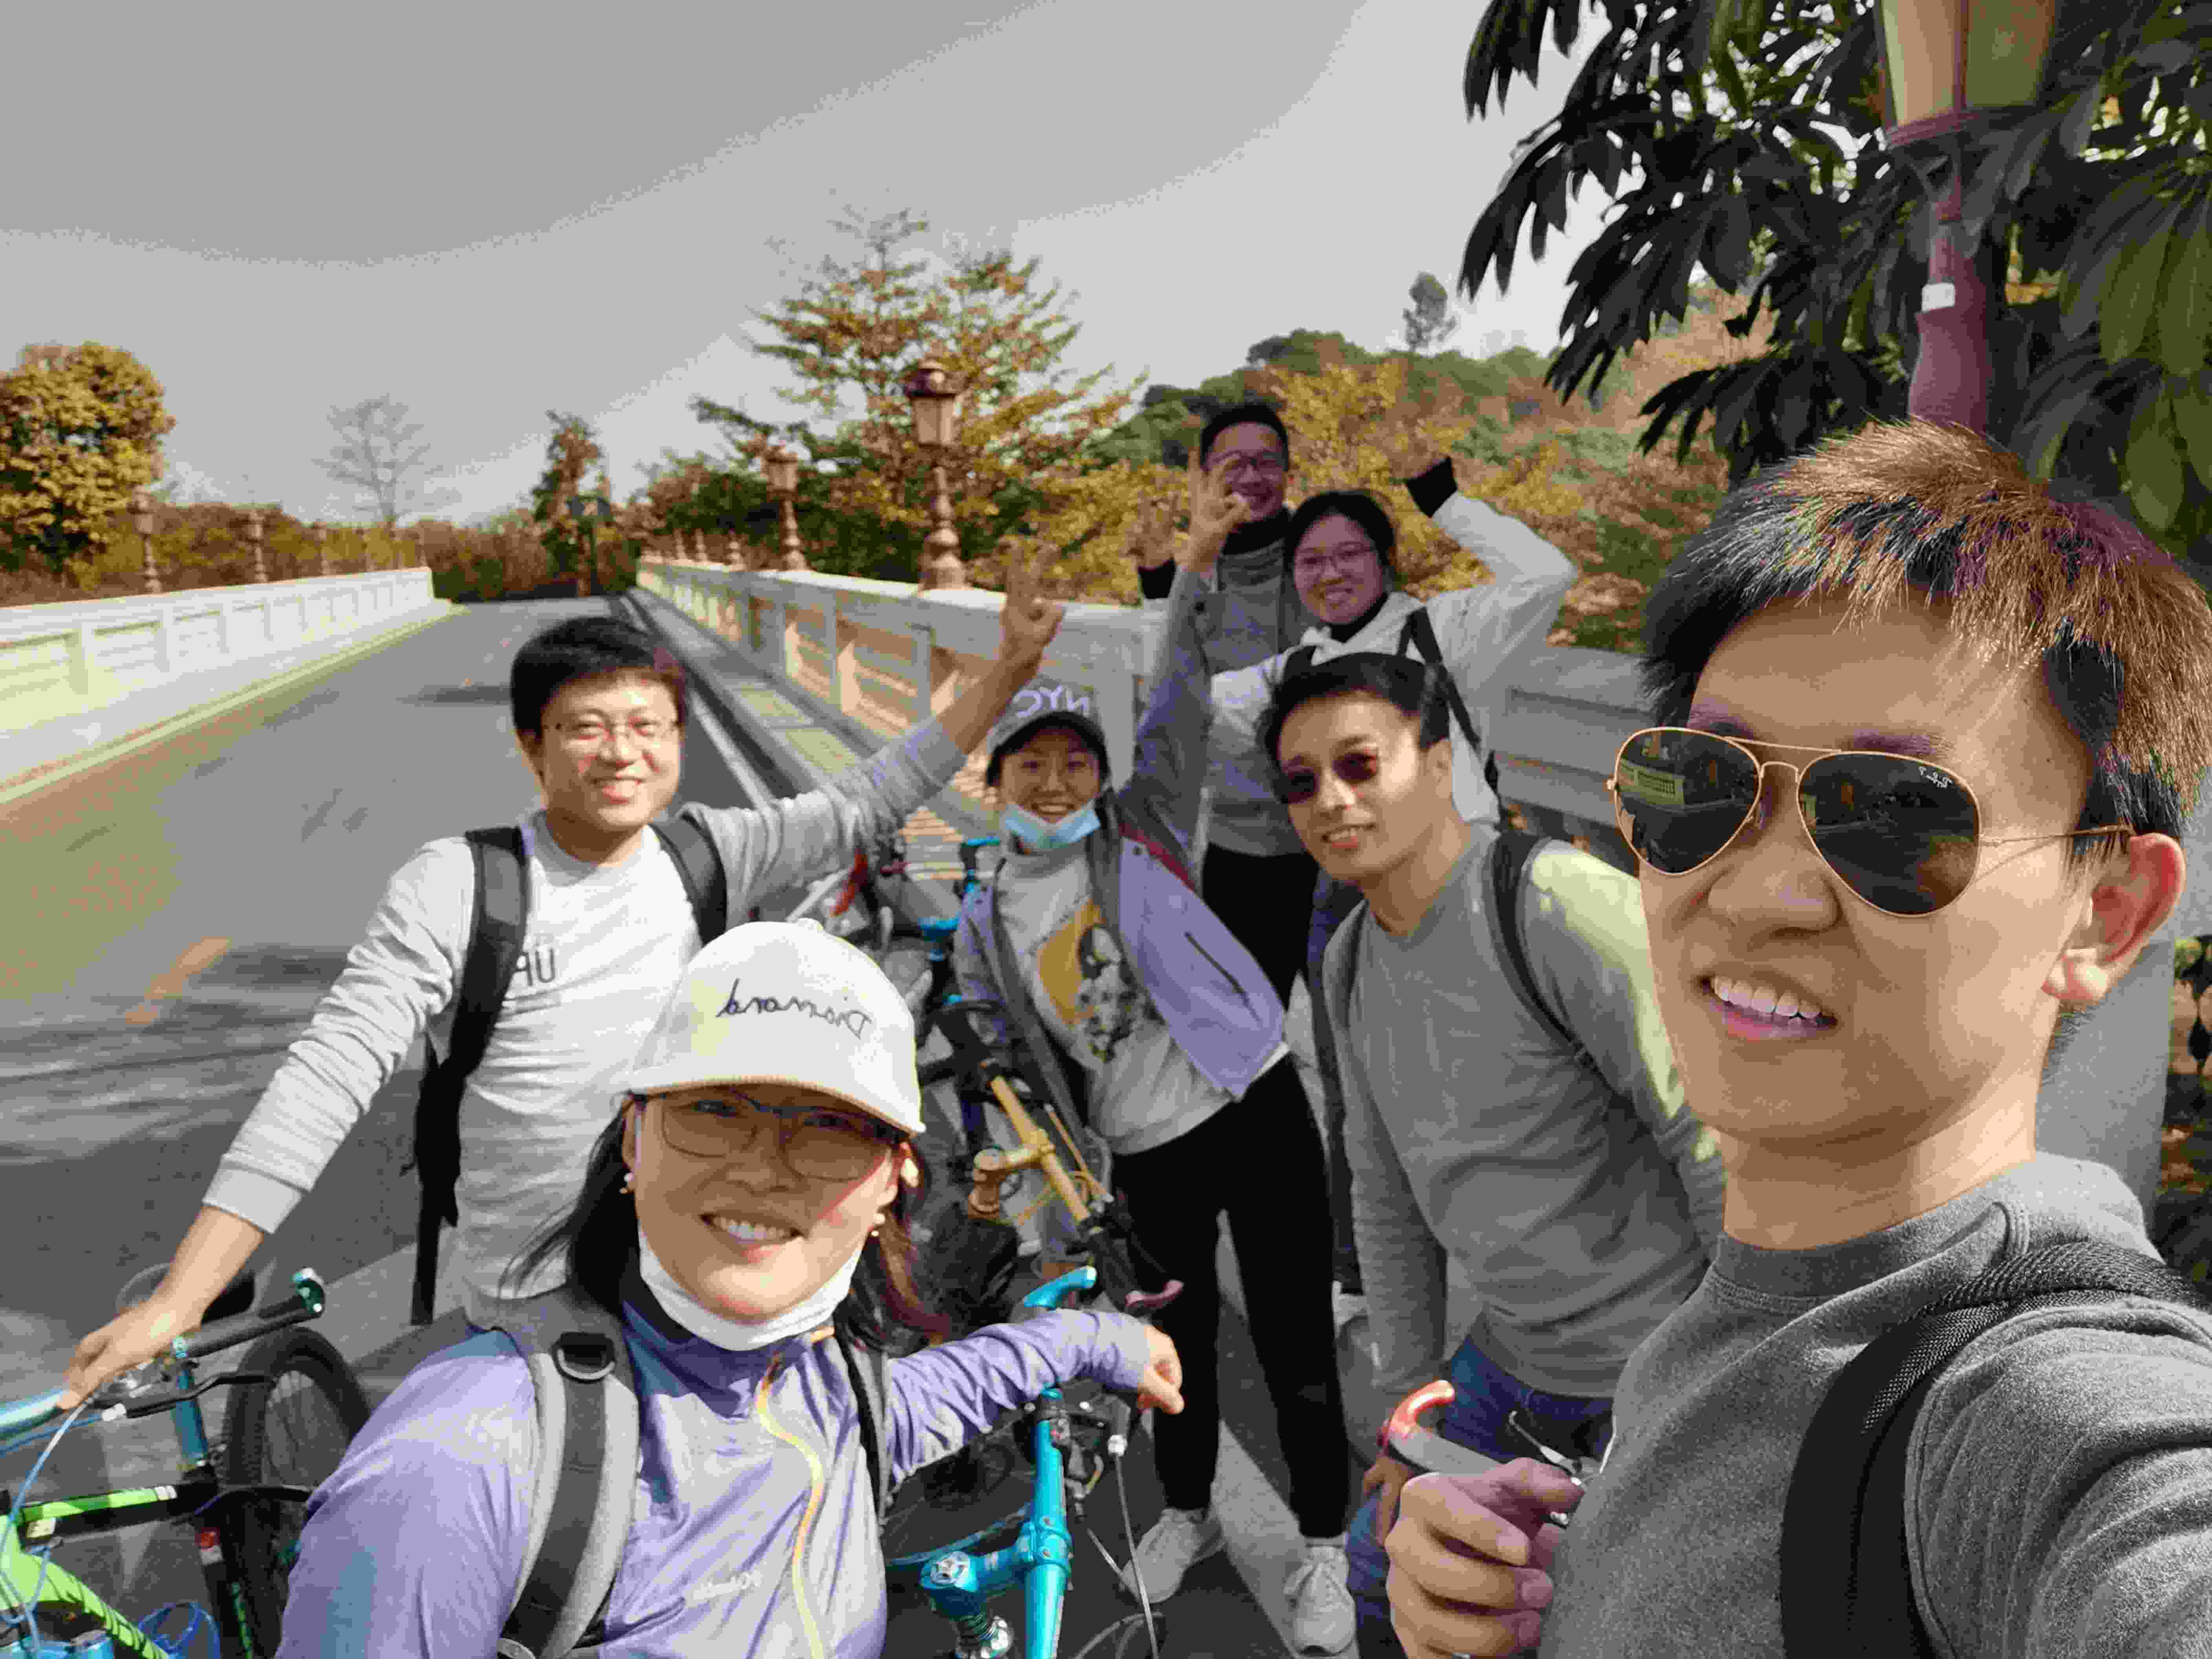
(782, 465)
(254, 535)
(142, 521)
(1948, 66)
(936, 417)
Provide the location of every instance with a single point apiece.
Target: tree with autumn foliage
(1027, 431)
(570, 453)
(80, 428)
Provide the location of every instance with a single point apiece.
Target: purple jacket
(755, 1535)
(1214, 997)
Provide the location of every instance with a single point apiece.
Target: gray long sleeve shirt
(1470, 1130)
(2060, 1467)
(604, 945)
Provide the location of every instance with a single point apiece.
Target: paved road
(173, 918)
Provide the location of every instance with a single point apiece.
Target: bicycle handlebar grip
(1050, 1295)
(301, 1301)
(1143, 1303)
(1404, 1437)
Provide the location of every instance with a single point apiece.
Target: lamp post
(1946, 66)
(936, 417)
(322, 549)
(781, 466)
(254, 535)
(142, 521)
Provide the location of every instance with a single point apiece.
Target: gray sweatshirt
(1249, 613)
(2062, 1464)
(1468, 1129)
(604, 945)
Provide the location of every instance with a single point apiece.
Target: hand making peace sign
(1028, 620)
(1215, 511)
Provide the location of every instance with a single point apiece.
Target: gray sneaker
(1178, 1542)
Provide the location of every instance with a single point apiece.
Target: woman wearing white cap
(749, 1203)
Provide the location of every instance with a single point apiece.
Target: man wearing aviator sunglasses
(1926, 741)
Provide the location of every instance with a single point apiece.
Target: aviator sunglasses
(1902, 833)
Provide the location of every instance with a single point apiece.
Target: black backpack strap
(1420, 633)
(498, 923)
(705, 882)
(1508, 858)
(1846, 1578)
(870, 1370)
(585, 1481)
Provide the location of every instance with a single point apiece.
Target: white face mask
(736, 1335)
(1042, 835)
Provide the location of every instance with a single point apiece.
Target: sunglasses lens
(1900, 832)
(1683, 795)
(1297, 787)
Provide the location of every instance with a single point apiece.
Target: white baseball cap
(786, 1002)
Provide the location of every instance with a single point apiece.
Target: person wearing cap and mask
(1091, 955)
(750, 1201)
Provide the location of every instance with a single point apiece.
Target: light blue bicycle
(1069, 1447)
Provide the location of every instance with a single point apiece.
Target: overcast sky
(490, 210)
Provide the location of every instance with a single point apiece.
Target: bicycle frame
(199, 1495)
(960, 1587)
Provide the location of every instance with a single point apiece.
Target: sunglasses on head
(1302, 783)
(1904, 833)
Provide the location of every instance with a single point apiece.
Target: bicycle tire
(264, 1535)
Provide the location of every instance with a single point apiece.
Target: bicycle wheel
(290, 1430)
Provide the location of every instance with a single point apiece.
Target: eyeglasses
(818, 1141)
(1903, 834)
(1342, 558)
(1302, 783)
(589, 735)
(1236, 461)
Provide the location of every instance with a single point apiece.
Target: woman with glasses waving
(1538, 1140)
(743, 1225)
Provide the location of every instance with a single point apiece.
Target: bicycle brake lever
(1141, 1303)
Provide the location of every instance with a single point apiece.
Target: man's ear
(531, 745)
(2126, 901)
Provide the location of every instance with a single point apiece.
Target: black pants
(1269, 904)
(1260, 1159)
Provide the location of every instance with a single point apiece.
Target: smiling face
(1382, 799)
(1936, 1026)
(1053, 772)
(1253, 456)
(828, 1221)
(1337, 570)
(608, 759)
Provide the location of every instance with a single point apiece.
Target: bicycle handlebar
(303, 1300)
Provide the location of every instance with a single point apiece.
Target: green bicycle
(295, 1404)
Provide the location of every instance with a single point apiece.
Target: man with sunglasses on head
(1567, 1179)
(599, 712)
(1925, 739)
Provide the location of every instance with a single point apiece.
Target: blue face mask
(1040, 835)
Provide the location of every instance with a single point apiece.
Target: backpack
(1846, 1580)
(585, 1478)
(496, 929)
(1420, 635)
